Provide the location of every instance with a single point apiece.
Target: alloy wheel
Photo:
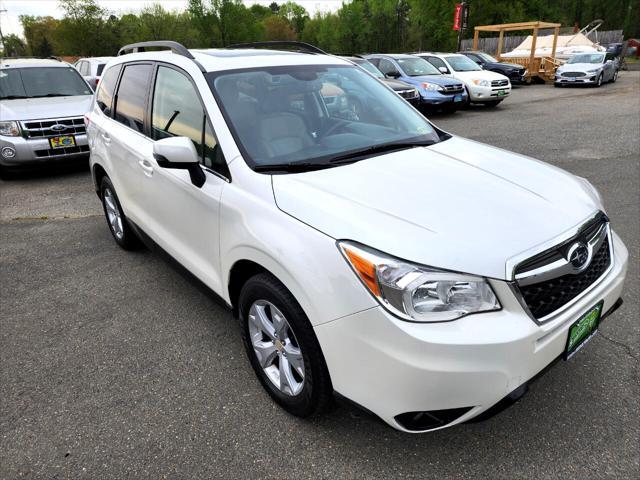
(276, 347)
(113, 214)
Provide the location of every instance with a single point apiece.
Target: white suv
(367, 253)
(484, 87)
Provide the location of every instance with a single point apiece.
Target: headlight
(481, 83)
(431, 86)
(593, 71)
(9, 129)
(415, 292)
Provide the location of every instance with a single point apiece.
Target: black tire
(492, 104)
(317, 392)
(599, 81)
(128, 240)
(614, 77)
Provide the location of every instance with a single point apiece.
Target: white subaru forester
(368, 254)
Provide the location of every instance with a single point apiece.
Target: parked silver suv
(42, 109)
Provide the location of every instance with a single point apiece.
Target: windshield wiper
(51, 95)
(291, 167)
(378, 149)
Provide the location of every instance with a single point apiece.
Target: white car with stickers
(367, 253)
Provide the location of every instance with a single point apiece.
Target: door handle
(146, 167)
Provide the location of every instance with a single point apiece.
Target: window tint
(105, 89)
(100, 69)
(131, 96)
(178, 112)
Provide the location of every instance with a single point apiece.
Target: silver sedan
(587, 69)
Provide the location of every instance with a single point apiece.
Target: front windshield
(416, 67)
(587, 58)
(461, 63)
(37, 82)
(487, 58)
(369, 67)
(313, 114)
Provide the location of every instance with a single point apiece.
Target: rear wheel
(282, 347)
(117, 221)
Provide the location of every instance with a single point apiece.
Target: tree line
(88, 29)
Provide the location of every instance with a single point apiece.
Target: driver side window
(387, 67)
(436, 62)
(178, 112)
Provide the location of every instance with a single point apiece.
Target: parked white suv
(484, 87)
(91, 69)
(422, 276)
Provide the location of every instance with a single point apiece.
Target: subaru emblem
(579, 256)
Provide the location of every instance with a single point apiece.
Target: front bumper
(587, 79)
(436, 99)
(37, 151)
(480, 94)
(392, 367)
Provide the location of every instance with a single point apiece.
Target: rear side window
(104, 97)
(100, 69)
(436, 62)
(387, 67)
(131, 97)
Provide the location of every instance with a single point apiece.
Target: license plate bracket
(63, 141)
(583, 330)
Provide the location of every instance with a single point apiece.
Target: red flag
(457, 16)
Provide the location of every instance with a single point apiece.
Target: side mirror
(179, 152)
(393, 74)
(443, 69)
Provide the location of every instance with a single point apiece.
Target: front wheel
(615, 76)
(117, 221)
(599, 81)
(282, 347)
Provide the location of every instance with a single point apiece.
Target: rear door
(130, 147)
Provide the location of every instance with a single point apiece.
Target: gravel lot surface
(118, 365)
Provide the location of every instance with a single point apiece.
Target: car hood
(505, 65)
(397, 84)
(437, 79)
(37, 108)
(480, 75)
(458, 205)
(579, 67)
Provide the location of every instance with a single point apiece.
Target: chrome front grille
(553, 279)
(452, 89)
(499, 83)
(53, 127)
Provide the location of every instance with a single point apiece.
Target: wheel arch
(98, 172)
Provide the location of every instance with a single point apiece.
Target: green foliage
(88, 29)
(13, 46)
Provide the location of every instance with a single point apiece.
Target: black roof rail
(175, 47)
(279, 44)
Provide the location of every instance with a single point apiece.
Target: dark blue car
(436, 90)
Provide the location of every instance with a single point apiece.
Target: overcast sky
(10, 23)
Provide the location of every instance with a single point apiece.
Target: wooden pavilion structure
(543, 67)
